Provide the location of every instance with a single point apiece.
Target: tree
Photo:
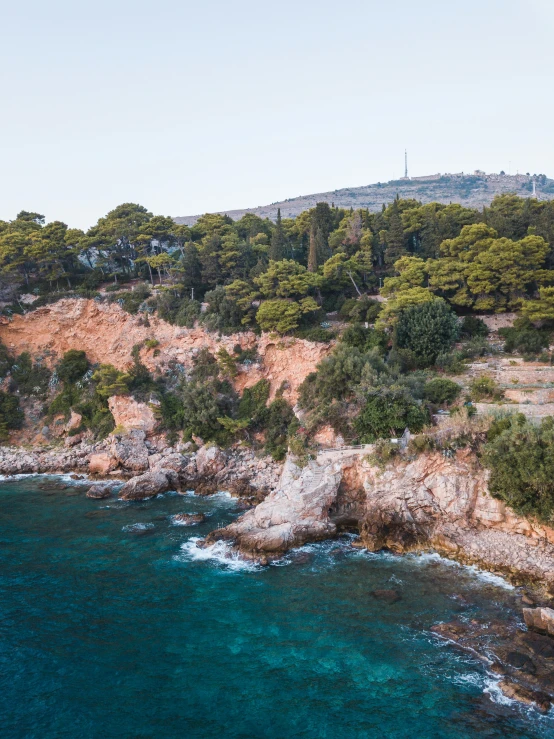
(283, 316)
(426, 330)
(286, 279)
(110, 381)
(278, 240)
(72, 366)
(541, 309)
(320, 226)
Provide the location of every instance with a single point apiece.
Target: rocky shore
(151, 467)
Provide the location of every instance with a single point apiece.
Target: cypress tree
(278, 240)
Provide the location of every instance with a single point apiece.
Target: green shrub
(29, 378)
(364, 338)
(280, 422)
(387, 413)
(485, 387)
(131, 300)
(151, 343)
(520, 456)
(383, 453)
(253, 402)
(472, 327)
(6, 361)
(427, 330)
(441, 391)
(524, 338)
(72, 366)
(11, 415)
(317, 333)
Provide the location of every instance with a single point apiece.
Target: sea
(113, 623)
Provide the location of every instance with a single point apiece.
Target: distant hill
(475, 190)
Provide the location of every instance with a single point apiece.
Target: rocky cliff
(427, 502)
(108, 334)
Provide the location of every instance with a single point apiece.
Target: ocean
(114, 624)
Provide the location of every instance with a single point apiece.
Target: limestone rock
(75, 420)
(101, 463)
(540, 619)
(145, 486)
(210, 460)
(130, 414)
(295, 513)
(519, 693)
(131, 451)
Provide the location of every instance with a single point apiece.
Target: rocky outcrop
(188, 519)
(292, 515)
(540, 619)
(145, 486)
(427, 502)
(130, 451)
(129, 414)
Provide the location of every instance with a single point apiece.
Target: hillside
(474, 191)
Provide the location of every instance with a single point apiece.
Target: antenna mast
(405, 164)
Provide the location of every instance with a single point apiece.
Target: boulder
(130, 414)
(131, 451)
(99, 491)
(540, 619)
(145, 486)
(75, 420)
(210, 460)
(73, 440)
(101, 463)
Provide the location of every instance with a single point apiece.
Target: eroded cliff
(108, 334)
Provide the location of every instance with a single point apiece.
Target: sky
(188, 107)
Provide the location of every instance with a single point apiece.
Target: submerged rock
(189, 519)
(100, 491)
(389, 596)
(518, 692)
(145, 486)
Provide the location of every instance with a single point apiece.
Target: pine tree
(321, 224)
(278, 240)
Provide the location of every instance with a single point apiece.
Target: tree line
(284, 276)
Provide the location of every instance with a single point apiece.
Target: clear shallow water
(113, 624)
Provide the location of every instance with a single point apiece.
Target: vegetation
(520, 456)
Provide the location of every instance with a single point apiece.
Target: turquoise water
(113, 629)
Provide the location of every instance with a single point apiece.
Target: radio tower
(405, 164)
(534, 195)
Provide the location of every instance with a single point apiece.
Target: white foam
(221, 553)
(138, 527)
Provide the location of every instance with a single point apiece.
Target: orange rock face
(130, 414)
(107, 334)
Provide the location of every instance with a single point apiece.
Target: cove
(113, 624)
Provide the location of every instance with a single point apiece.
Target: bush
(131, 300)
(72, 366)
(524, 338)
(253, 402)
(280, 422)
(11, 415)
(472, 327)
(323, 335)
(364, 338)
(6, 361)
(426, 330)
(29, 378)
(384, 453)
(441, 391)
(520, 457)
(484, 387)
(387, 414)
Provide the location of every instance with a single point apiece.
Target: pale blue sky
(191, 107)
